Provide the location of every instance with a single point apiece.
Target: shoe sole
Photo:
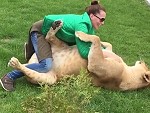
(25, 50)
(3, 86)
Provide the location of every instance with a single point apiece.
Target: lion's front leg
(95, 52)
(50, 37)
(106, 45)
(95, 56)
(45, 78)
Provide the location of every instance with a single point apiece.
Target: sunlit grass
(126, 27)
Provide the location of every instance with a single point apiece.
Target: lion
(105, 72)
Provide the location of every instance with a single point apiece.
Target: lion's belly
(68, 62)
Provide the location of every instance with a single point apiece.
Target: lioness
(105, 72)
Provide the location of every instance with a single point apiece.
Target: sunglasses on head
(101, 19)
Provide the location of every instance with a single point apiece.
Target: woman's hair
(94, 8)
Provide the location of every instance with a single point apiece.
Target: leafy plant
(71, 95)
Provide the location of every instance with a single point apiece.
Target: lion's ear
(147, 76)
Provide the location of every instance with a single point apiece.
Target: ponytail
(94, 8)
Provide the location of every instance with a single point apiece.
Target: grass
(74, 96)
(126, 27)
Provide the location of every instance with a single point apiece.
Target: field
(127, 28)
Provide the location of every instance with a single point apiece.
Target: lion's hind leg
(45, 78)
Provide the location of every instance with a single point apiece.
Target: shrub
(71, 95)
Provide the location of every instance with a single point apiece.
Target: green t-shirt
(71, 24)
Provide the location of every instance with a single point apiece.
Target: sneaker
(7, 83)
(25, 50)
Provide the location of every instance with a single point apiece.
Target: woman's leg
(43, 66)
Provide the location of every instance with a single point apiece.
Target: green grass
(126, 27)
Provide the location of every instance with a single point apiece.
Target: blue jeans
(43, 66)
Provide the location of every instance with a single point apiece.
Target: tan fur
(105, 72)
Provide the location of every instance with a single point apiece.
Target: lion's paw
(14, 62)
(57, 25)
